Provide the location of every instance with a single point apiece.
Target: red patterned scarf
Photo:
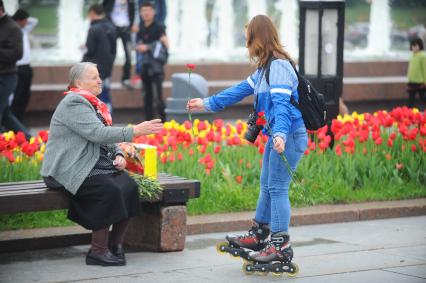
(100, 107)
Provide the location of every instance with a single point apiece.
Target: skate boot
(275, 257)
(240, 245)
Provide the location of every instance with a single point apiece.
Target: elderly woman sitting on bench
(83, 159)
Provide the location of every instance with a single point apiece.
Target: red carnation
(190, 67)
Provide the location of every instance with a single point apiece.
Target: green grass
(402, 18)
(405, 18)
(357, 13)
(47, 17)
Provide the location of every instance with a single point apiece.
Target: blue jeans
(273, 205)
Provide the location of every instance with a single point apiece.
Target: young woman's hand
(195, 104)
(148, 128)
(279, 144)
(119, 162)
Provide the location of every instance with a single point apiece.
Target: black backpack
(311, 102)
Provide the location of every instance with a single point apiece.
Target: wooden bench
(160, 227)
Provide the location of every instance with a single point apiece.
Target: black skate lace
(248, 234)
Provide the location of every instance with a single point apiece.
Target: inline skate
(240, 245)
(275, 257)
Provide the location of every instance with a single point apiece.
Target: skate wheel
(262, 273)
(248, 268)
(234, 256)
(277, 270)
(295, 270)
(220, 247)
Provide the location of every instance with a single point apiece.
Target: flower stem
(283, 158)
(189, 98)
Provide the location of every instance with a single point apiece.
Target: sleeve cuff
(281, 135)
(206, 103)
(127, 134)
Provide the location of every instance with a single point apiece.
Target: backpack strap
(268, 70)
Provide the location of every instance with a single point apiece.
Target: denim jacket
(273, 99)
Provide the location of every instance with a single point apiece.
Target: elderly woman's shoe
(118, 251)
(107, 259)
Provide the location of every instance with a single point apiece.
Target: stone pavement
(390, 250)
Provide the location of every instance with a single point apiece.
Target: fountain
(380, 27)
(223, 17)
(289, 25)
(10, 6)
(256, 7)
(205, 30)
(193, 36)
(72, 30)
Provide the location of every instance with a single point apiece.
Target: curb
(321, 214)
(42, 238)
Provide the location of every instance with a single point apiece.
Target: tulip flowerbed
(378, 156)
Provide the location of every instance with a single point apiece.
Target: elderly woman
(82, 158)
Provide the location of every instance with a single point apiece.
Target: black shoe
(107, 259)
(127, 84)
(118, 251)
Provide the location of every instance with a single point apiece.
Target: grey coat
(75, 136)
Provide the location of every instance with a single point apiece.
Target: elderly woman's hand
(148, 127)
(119, 162)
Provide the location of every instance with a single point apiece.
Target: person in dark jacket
(22, 93)
(101, 47)
(152, 42)
(122, 14)
(11, 50)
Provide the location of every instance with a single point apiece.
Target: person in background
(21, 96)
(122, 14)
(343, 109)
(11, 49)
(83, 159)
(416, 72)
(160, 7)
(152, 37)
(101, 47)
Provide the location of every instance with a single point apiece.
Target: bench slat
(30, 196)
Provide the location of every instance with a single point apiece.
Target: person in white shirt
(122, 14)
(22, 92)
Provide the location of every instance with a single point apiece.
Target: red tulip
(378, 141)
(338, 150)
(202, 126)
(261, 149)
(210, 164)
(187, 124)
(239, 179)
(413, 148)
(44, 135)
(217, 149)
(9, 155)
(20, 138)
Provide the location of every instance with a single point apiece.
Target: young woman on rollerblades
(287, 134)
